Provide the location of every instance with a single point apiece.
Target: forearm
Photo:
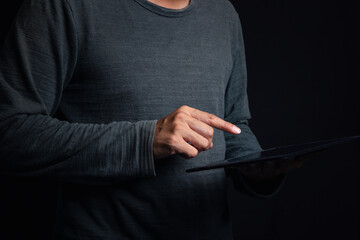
(42, 146)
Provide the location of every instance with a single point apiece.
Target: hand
(269, 170)
(187, 131)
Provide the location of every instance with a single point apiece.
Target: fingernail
(236, 129)
(212, 144)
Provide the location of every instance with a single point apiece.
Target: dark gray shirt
(82, 84)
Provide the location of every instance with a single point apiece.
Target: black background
(303, 71)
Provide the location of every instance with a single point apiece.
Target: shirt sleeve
(37, 60)
(237, 112)
(237, 104)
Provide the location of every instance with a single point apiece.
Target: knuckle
(212, 118)
(177, 128)
(211, 132)
(192, 154)
(172, 140)
(184, 107)
(180, 116)
(205, 145)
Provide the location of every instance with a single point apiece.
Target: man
(108, 98)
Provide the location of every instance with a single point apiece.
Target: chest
(142, 61)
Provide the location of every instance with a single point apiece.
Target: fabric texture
(82, 84)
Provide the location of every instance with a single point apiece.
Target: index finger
(214, 121)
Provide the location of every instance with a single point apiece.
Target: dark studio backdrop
(303, 69)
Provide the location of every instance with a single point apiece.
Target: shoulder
(223, 7)
(223, 11)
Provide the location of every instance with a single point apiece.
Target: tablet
(277, 153)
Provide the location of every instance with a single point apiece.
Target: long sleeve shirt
(82, 84)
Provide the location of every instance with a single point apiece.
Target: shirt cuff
(146, 163)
